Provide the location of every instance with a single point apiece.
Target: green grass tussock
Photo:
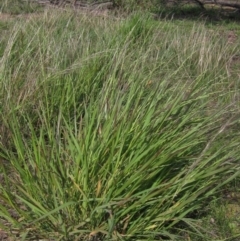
(113, 130)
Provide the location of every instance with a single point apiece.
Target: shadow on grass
(212, 14)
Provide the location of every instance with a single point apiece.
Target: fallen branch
(232, 4)
(222, 3)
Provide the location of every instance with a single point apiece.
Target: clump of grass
(113, 136)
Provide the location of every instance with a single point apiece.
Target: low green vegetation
(19, 6)
(118, 128)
